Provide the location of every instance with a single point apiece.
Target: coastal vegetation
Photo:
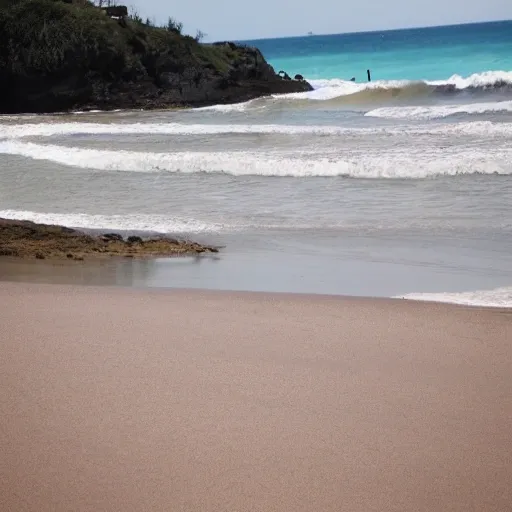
(57, 55)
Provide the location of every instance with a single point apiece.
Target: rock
(298, 77)
(105, 64)
(26, 239)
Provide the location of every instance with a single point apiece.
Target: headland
(72, 55)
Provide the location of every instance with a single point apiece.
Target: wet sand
(121, 399)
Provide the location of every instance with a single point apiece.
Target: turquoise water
(434, 53)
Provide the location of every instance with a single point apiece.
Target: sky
(239, 20)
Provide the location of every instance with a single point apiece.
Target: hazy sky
(235, 19)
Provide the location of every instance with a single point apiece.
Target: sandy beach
(127, 400)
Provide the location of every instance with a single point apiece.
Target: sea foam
(481, 128)
(328, 89)
(399, 163)
(439, 111)
(498, 297)
(125, 222)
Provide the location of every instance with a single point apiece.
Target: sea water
(401, 186)
(432, 53)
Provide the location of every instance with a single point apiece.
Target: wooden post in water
(369, 75)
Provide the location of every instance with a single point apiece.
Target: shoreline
(88, 274)
(214, 401)
(233, 272)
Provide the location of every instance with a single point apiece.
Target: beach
(274, 365)
(126, 399)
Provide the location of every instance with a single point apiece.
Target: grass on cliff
(51, 37)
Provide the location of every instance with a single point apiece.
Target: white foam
(127, 222)
(52, 129)
(333, 88)
(155, 223)
(96, 111)
(232, 107)
(499, 297)
(394, 163)
(16, 131)
(327, 89)
(485, 79)
(17, 117)
(440, 111)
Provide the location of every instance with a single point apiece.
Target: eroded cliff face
(56, 56)
(246, 76)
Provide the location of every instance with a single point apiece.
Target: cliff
(57, 56)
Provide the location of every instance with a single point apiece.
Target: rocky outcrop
(24, 239)
(61, 56)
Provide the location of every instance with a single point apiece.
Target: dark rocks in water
(298, 77)
(103, 63)
(353, 79)
(24, 239)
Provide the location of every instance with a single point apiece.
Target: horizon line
(416, 27)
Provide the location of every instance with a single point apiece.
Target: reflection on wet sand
(111, 272)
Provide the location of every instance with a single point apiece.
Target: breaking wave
(405, 163)
(346, 92)
(125, 222)
(439, 111)
(482, 128)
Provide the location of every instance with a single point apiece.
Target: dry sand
(126, 400)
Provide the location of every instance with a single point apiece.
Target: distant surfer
(369, 75)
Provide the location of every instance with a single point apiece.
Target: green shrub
(174, 26)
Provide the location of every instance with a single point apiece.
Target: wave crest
(440, 111)
(126, 222)
(381, 90)
(403, 164)
(482, 128)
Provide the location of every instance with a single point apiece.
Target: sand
(114, 399)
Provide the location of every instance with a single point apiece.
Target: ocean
(400, 187)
